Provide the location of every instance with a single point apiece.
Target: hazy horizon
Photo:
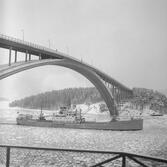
(125, 39)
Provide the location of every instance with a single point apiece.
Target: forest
(54, 99)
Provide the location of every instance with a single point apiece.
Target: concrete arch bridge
(111, 90)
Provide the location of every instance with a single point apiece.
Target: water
(152, 140)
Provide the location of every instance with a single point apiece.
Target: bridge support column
(131, 94)
(126, 94)
(15, 60)
(29, 56)
(118, 95)
(121, 95)
(26, 56)
(10, 54)
(40, 56)
(114, 91)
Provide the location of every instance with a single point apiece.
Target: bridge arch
(78, 67)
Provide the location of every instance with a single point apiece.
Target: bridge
(111, 90)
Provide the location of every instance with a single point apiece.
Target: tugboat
(72, 118)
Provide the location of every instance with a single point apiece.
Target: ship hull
(136, 124)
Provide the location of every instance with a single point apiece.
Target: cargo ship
(67, 118)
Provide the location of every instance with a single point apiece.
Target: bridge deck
(23, 46)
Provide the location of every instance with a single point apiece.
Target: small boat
(157, 114)
(67, 118)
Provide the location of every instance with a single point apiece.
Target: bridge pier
(15, 60)
(118, 95)
(40, 57)
(10, 54)
(29, 56)
(26, 56)
(121, 94)
(114, 91)
(125, 94)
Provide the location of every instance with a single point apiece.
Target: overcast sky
(125, 38)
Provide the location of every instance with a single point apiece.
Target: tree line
(146, 97)
(56, 98)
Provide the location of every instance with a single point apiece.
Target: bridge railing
(36, 46)
(47, 157)
(22, 42)
(33, 45)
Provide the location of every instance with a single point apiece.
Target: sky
(127, 39)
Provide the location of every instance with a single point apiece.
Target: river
(152, 140)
